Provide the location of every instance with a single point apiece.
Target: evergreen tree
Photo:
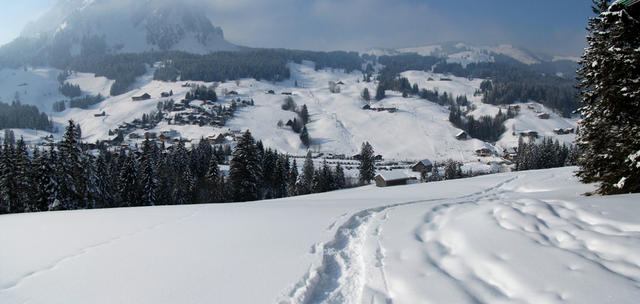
(70, 171)
(610, 92)
(245, 172)
(304, 137)
(128, 184)
(104, 183)
(148, 182)
(340, 182)
(293, 179)
(435, 174)
(304, 114)
(367, 167)
(8, 194)
(366, 96)
(44, 181)
(380, 92)
(452, 170)
(23, 183)
(213, 179)
(306, 179)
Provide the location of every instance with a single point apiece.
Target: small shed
(462, 135)
(544, 116)
(387, 179)
(144, 96)
(424, 165)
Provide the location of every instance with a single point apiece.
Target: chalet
(387, 179)
(366, 107)
(483, 152)
(462, 135)
(134, 136)
(287, 93)
(144, 96)
(232, 93)
(100, 114)
(514, 108)
(340, 83)
(424, 165)
(510, 154)
(445, 79)
(391, 110)
(166, 94)
(529, 133)
(543, 115)
(150, 135)
(271, 92)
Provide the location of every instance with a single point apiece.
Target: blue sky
(554, 26)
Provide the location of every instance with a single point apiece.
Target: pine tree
(148, 182)
(340, 182)
(8, 195)
(44, 181)
(306, 180)
(70, 170)
(213, 178)
(245, 173)
(304, 137)
(380, 92)
(610, 90)
(23, 178)
(452, 170)
(304, 114)
(293, 179)
(367, 167)
(435, 174)
(366, 96)
(128, 184)
(103, 182)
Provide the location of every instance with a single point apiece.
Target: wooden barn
(462, 135)
(388, 179)
(144, 96)
(424, 165)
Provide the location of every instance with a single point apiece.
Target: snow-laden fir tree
(340, 182)
(610, 91)
(367, 167)
(213, 180)
(128, 184)
(70, 171)
(293, 179)
(23, 178)
(306, 178)
(245, 173)
(8, 194)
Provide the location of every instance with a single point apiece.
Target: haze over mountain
(113, 26)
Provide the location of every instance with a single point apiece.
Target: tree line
(544, 155)
(19, 116)
(67, 176)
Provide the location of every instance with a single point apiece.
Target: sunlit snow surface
(527, 237)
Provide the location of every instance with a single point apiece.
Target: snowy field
(527, 237)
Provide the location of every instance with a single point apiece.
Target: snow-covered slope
(418, 129)
(527, 237)
(458, 52)
(128, 26)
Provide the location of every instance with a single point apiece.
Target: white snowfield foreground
(527, 237)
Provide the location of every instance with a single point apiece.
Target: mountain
(74, 27)
(464, 53)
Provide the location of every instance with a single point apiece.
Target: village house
(483, 152)
(529, 133)
(424, 165)
(544, 116)
(392, 178)
(144, 96)
(462, 135)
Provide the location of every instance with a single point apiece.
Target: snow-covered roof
(393, 175)
(425, 162)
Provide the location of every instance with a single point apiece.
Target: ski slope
(526, 237)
